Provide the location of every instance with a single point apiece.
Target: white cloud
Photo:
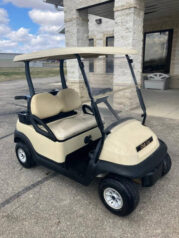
(46, 17)
(22, 40)
(50, 30)
(8, 46)
(49, 21)
(7, 43)
(38, 4)
(4, 30)
(4, 19)
(21, 35)
(43, 42)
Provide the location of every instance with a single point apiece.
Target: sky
(29, 25)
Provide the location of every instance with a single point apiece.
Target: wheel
(24, 156)
(167, 163)
(120, 196)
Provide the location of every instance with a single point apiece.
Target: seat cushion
(66, 128)
(44, 105)
(69, 99)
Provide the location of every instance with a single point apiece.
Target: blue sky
(29, 25)
(19, 17)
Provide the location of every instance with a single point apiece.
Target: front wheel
(121, 196)
(24, 155)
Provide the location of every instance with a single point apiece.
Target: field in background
(19, 73)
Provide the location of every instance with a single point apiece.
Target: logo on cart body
(144, 144)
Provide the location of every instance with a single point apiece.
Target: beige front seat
(45, 105)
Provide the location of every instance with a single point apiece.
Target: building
(151, 27)
(6, 60)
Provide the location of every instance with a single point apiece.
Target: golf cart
(61, 133)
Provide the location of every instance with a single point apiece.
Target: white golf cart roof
(69, 53)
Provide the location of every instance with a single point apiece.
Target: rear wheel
(119, 196)
(167, 163)
(24, 156)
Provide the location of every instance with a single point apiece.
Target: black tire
(167, 163)
(128, 191)
(27, 161)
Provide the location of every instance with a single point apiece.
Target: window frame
(169, 50)
(91, 61)
(108, 37)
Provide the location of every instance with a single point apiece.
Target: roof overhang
(161, 9)
(102, 9)
(153, 8)
(69, 53)
(55, 2)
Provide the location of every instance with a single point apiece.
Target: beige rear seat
(45, 105)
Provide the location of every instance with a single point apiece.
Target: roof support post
(29, 80)
(81, 65)
(93, 103)
(139, 94)
(62, 75)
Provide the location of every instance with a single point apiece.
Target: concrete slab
(39, 203)
(162, 103)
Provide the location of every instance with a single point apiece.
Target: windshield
(113, 88)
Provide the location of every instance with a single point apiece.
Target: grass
(19, 73)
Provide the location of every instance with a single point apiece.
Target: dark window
(157, 51)
(110, 58)
(91, 61)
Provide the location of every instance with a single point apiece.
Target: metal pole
(62, 75)
(29, 80)
(139, 94)
(81, 65)
(93, 103)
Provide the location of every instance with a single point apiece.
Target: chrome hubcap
(113, 198)
(21, 155)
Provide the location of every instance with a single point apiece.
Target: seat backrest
(44, 105)
(69, 99)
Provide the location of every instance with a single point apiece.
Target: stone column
(128, 32)
(99, 78)
(76, 33)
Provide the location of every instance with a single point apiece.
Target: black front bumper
(151, 178)
(148, 170)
